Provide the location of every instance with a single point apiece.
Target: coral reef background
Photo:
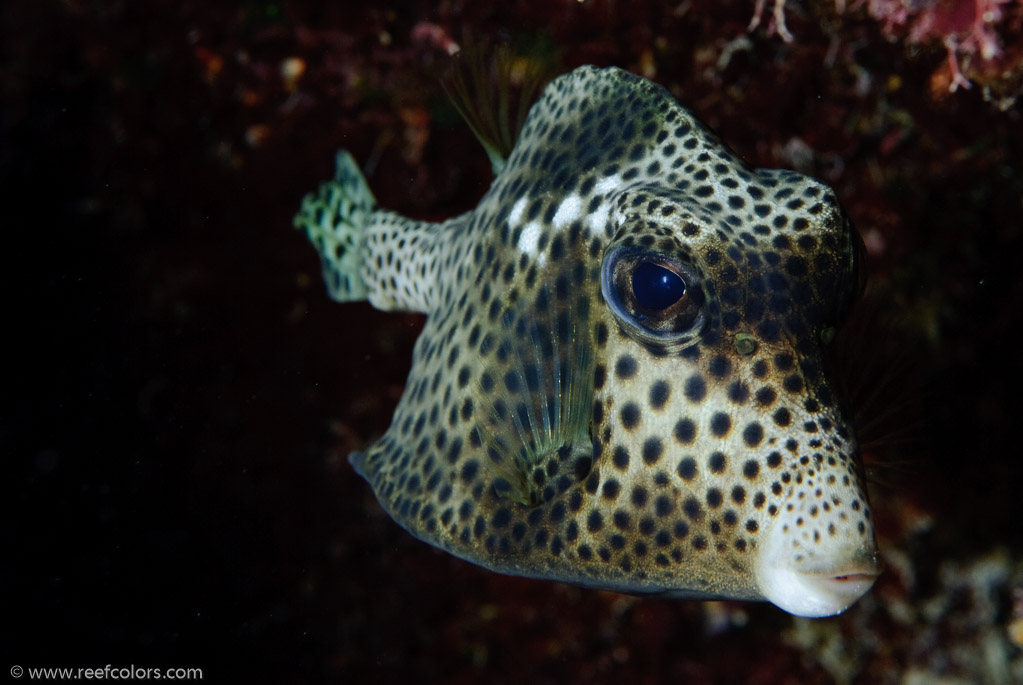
(180, 395)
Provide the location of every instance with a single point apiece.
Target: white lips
(813, 595)
(816, 580)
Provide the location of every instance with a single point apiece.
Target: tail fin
(334, 219)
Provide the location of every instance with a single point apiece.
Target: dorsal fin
(485, 84)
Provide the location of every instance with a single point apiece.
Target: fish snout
(814, 574)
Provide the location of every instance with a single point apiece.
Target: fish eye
(655, 297)
(656, 287)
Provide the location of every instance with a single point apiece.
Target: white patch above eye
(597, 222)
(515, 216)
(529, 237)
(607, 184)
(568, 211)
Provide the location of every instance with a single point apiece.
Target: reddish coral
(965, 27)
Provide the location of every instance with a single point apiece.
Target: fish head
(712, 399)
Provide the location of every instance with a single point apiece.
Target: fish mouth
(820, 585)
(816, 595)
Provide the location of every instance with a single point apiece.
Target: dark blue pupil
(656, 287)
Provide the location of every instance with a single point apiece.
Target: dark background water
(179, 394)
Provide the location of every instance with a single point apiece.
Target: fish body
(620, 381)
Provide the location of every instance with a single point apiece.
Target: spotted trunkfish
(620, 382)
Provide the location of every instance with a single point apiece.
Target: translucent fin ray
(536, 396)
(484, 83)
